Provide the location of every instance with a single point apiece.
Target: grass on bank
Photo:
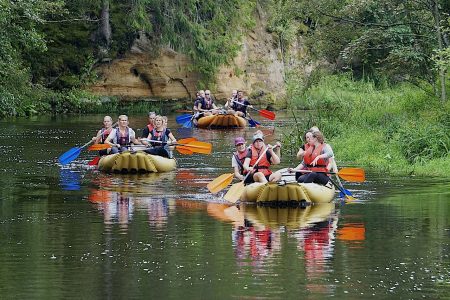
(400, 130)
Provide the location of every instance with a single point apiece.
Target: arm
(275, 159)
(236, 169)
(96, 139)
(246, 165)
(110, 138)
(172, 138)
(133, 138)
(300, 153)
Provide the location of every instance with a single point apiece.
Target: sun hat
(239, 140)
(258, 136)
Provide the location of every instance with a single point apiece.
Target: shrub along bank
(400, 130)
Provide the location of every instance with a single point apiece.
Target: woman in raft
(317, 161)
(103, 133)
(160, 138)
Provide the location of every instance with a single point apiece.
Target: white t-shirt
(113, 136)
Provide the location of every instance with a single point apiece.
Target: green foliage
(399, 129)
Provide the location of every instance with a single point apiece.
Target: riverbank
(399, 130)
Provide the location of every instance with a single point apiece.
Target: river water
(73, 232)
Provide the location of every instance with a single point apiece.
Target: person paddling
(150, 125)
(207, 105)
(164, 136)
(102, 134)
(261, 172)
(238, 106)
(318, 158)
(121, 137)
(237, 161)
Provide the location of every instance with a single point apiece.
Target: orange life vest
(310, 154)
(263, 164)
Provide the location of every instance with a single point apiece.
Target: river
(74, 232)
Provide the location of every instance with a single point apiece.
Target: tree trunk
(105, 26)
(437, 21)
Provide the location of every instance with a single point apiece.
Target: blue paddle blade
(69, 155)
(253, 123)
(188, 124)
(183, 118)
(347, 192)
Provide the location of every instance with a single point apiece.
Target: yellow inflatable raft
(274, 217)
(136, 162)
(221, 122)
(273, 193)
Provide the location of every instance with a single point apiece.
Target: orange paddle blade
(267, 114)
(220, 183)
(198, 147)
(352, 174)
(187, 140)
(235, 192)
(184, 150)
(97, 147)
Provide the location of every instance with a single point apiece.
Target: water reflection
(116, 207)
(69, 180)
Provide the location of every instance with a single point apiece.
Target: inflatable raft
(273, 194)
(136, 162)
(221, 122)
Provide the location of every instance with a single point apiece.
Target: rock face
(258, 70)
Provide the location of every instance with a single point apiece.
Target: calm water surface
(73, 232)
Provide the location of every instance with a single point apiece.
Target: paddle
(94, 161)
(347, 194)
(349, 174)
(252, 122)
(344, 193)
(183, 118)
(71, 154)
(194, 146)
(262, 112)
(236, 190)
(220, 183)
(98, 147)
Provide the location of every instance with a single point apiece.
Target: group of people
(204, 104)
(252, 164)
(155, 136)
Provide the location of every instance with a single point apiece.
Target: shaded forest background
(380, 67)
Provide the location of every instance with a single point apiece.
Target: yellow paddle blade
(220, 183)
(97, 147)
(352, 174)
(235, 192)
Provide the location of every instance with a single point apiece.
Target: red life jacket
(263, 164)
(150, 127)
(104, 134)
(240, 157)
(310, 154)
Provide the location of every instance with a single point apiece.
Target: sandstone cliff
(258, 70)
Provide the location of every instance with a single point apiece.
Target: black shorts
(250, 179)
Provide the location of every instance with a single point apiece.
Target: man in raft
(122, 137)
(237, 161)
(238, 106)
(103, 133)
(261, 171)
(317, 161)
(160, 138)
